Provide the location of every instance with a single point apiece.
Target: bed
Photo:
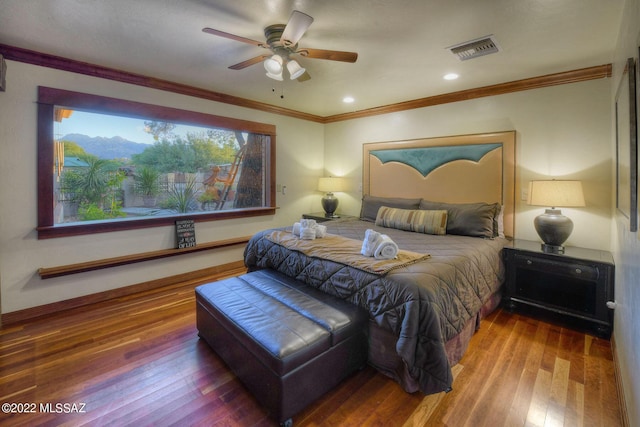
(425, 307)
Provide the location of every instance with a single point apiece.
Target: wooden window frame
(49, 98)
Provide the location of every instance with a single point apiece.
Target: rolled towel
(296, 229)
(308, 233)
(321, 231)
(307, 223)
(308, 229)
(386, 249)
(370, 242)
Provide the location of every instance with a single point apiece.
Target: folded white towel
(307, 223)
(308, 229)
(386, 249)
(296, 229)
(308, 233)
(370, 242)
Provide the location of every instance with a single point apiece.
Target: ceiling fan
(282, 40)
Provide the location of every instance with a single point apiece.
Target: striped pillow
(420, 221)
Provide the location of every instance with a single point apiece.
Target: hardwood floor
(137, 360)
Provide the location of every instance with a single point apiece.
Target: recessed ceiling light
(348, 99)
(451, 76)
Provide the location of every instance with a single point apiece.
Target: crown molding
(57, 62)
(574, 76)
(74, 66)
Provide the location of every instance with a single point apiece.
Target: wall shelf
(64, 270)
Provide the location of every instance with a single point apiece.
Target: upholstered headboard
(453, 169)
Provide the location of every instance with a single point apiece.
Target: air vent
(474, 48)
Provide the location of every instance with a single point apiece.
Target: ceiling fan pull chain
(273, 89)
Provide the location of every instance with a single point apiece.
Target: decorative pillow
(371, 204)
(468, 219)
(499, 228)
(420, 221)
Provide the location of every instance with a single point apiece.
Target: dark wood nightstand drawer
(577, 270)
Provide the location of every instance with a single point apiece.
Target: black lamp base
(554, 229)
(329, 204)
(552, 249)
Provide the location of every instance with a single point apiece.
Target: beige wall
(626, 245)
(299, 154)
(562, 132)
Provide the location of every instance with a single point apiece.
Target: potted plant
(210, 196)
(182, 195)
(146, 184)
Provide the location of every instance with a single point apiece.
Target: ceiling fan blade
(331, 55)
(234, 37)
(303, 78)
(298, 23)
(249, 62)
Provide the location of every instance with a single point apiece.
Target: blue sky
(109, 126)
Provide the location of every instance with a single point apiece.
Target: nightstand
(321, 216)
(575, 287)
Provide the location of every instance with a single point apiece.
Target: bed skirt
(384, 357)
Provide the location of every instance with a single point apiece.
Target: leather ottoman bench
(287, 342)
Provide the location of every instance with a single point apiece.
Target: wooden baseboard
(195, 277)
(624, 414)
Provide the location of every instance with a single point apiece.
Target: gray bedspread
(424, 304)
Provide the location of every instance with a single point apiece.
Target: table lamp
(554, 228)
(329, 201)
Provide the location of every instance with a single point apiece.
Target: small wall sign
(185, 233)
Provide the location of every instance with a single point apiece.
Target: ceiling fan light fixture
(281, 42)
(273, 65)
(295, 70)
(277, 76)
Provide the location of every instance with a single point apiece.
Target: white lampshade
(277, 77)
(556, 193)
(331, 184)
(295, 70)
(273, 65)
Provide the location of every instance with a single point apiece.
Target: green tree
(71, 149)
(95, 187)
(189, 154)
(146, 181)
(159, 130)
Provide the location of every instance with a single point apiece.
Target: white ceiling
(401, 43)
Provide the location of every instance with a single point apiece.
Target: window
(179, 164)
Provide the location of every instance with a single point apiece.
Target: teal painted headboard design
(426, 159)
(451, 169)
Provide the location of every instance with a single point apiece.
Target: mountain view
(106, 148)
